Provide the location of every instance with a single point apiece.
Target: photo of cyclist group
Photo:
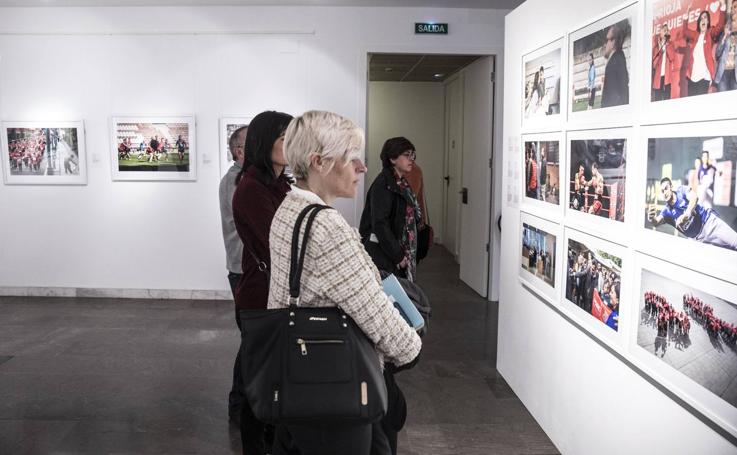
(152, 147)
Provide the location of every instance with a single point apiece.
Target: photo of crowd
(693, 49)
(598, 177)
(42, 151)
(691, 190)
(594, 282)
(152, 147)
(542, 171)
(600, 72)
(538, 253)
(690, 330)
(542, 85)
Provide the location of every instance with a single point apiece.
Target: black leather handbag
(305, 365)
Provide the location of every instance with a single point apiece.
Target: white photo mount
(679, 249)
(712, 106)
(540, 207)
(616, 115)
(531, 280)
(696, 395)
(612, 338)
(58, 165)
(617, 231)
(546, 56)
(227, 126)
(171, 169)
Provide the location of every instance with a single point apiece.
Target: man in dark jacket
(616, 91)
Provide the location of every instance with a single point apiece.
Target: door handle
(464, 195)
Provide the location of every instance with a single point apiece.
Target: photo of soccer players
(35, 153)
(538, 253)
(598, 177)
(691, 330)
(691, 191)
(601, 62)
(693, 48)
(593, 282)
(542, 84)
(153, 148)
(227, 126)
(542, 171)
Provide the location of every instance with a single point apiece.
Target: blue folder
(402, 302)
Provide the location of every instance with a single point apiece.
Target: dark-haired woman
(390, 217)
(262, 186)
(701, 68)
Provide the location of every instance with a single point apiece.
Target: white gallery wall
(586, 399)
(415, 110)
(92, 63)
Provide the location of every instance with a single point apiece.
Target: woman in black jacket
(391, 216)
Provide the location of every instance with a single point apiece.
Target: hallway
(97, 376)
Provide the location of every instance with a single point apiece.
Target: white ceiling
(485, 4)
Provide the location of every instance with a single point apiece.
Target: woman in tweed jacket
(325, 152)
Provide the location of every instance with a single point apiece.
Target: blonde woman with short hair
(325, 152)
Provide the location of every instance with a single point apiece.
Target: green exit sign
(430, 28)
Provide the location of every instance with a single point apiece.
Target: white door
(453, 160)
(476, 181)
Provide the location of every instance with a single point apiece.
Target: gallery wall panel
(643, 142)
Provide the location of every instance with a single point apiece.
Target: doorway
(444, 105)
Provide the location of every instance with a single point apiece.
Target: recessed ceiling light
(438, 75)
(388, 69)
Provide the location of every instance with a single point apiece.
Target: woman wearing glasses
(391, 215)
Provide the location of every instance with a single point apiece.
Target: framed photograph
(601, 66)
(689, 207)
(542, 171)
(540, 256)
(597, 180)
(685, 78)
(684, 336)
(44, 153)
(595, 285)
(228, 125)
(542, 101)
(154, 148)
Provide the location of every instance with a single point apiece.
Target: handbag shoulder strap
(298, 254)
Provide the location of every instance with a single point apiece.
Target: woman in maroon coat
(261, 188)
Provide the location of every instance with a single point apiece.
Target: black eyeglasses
(410, 154)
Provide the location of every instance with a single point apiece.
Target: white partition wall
(92, 64)
(595, 390)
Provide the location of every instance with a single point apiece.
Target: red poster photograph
(693, 44)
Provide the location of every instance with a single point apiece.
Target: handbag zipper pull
(302, 345)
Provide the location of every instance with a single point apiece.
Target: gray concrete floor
(119, 376)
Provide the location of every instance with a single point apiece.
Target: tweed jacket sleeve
(339, 272)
